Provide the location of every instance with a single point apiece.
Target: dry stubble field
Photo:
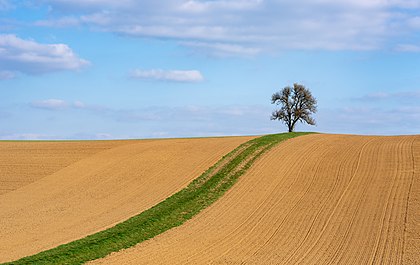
(67, 190)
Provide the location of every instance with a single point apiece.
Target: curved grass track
(315, 199)
(102, 190)
(170, 213)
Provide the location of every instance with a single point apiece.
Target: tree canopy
(297, 104)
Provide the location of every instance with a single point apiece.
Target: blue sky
(102, 69)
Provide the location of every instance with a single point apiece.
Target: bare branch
(297, 104)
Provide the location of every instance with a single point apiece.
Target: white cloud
(248, 27)
(31, 57)
(50, 104)
(168, 75)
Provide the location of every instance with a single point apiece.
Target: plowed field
(316, 199)
(22, 163)
(64, 197)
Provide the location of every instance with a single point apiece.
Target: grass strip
(169, 213)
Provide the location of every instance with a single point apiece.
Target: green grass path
(169, 213)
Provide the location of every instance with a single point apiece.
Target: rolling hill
(313, 199)
(97, 191)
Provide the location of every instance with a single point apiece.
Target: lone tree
(297, 104)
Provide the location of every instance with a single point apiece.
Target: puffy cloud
(246, 27)
(168, 75)
(31, 57)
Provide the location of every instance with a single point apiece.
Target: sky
(104, 69)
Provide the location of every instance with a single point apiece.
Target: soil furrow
(101, 190)
(315, 199)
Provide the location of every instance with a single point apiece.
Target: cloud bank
(215, 120)
(245, 27)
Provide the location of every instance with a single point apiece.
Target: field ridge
(171, 212)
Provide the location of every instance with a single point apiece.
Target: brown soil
(316, 199)
(98, 191)
(22, 163)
